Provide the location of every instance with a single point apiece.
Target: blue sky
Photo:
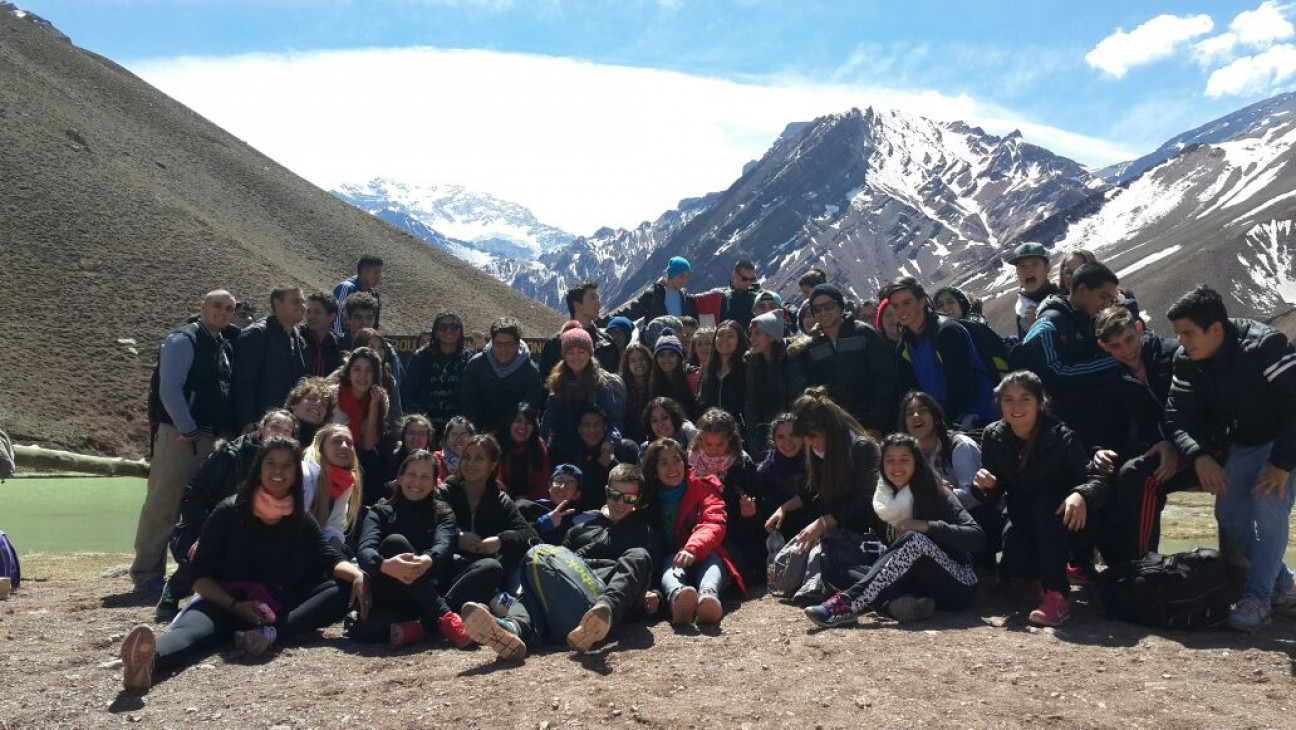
(600, 113)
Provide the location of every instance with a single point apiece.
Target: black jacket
(651, 304)
(728, 393)
(1244, 395)
(601, 539)
(432, 382)
(1057, 465)
(854, 510)
(322, 357)
(1142, 404)
(217, 479)
(737, 305)
(949, 525)
(859, 371)
(288, 558)
(428, 524)
(605, 351)
(268, 362)
(485, 398)
(955, 359)
(496, 516)
(209, 383)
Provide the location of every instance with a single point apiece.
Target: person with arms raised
(665, 297)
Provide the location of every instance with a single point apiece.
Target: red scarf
(355, 410)
(340, 479)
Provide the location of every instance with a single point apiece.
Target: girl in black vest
(928, 561)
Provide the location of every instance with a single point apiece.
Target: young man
(499, 377)
(665, 296)
(583, 305)
(559, 513)
(618, 547)
(619, 330)
(740, 298)
(1152, 466)
(1234, 389)
(368, 275)
(244, 315)
(937, 357)
(1060, 348)
(436, 372)
(194, 405)
(852, 360)
(361, 311)
(1032, 263)
(323, 355)
(269, 357)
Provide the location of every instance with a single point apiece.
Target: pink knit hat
(574, 335)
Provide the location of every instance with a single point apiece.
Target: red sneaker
(405, 633)
(452, 628)
(1054, 610)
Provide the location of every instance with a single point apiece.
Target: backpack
(558, 587)
(9, 567)
(1182, 591)
(993, 349)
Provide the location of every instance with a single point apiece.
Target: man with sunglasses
(434, 376)
(618, 545)
(740, 298)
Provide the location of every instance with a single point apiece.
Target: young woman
(259, 568)
(766, 380)
(716, 451)
(333, 482)
(928, 562)
(690, 512)
(493, 536)
(524, 470)
(636, 371)
(434, 378)
(1048, 481)
(457, 432)
(599, 455)
(311, 402)
(404, 542)
(724, 379)
(782, 475)
(887, 323)
(806, 319)
(663, 418)
(575, 382)
(953, 303)
(362, 406)
(416, 434)
(670, 374)
(699, 355)
(370, 338)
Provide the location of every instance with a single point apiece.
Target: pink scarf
(270, 509)
(705, 466)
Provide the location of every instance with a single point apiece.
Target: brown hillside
(119, 208)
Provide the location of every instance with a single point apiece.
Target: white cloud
(1254, 74)
(1154, 40)
(1252, 29)
(581, 144)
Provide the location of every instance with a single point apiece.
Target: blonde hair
(320, 505)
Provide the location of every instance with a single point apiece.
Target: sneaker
(255, 642)
(501, 603)
(451, 627)
(709, 609)
(835, 611)
(1284, 604)
(684, 606)
(498, 634)
(1054, 610)
(1250, 614)
(167, 607)
(138, 652)
(907, 609)
(404, 633)
(594, 627)
(1081, 575)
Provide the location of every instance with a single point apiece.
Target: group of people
(882, 456)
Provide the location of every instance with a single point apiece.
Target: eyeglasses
(449, 327)
(825, 307)
(615, 496)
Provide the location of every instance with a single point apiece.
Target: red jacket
(701, 523)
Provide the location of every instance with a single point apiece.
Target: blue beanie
(668, 342)
(676, 266)
(622, 322)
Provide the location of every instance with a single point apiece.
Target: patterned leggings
(914, 565)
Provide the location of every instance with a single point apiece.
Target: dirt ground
(767, 666)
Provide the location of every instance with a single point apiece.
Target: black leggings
(203, 625)
(474, 581)
(398, 601)
(1036, 543)
(625, 581)
(914, 565)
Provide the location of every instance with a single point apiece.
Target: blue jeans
(1256, 526)
(707, 575)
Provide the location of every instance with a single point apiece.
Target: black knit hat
(828, 290)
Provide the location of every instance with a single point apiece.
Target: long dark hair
(535, 449)
(828, 477)
(711, 376)
(362, 353)
(925, 482)
(767, 377)
(652, 485)
(1031, 383)
(943, 438)
(674, 385)
(243, 498)
(672, 408)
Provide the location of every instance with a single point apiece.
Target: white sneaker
(255, 642)
(1250, 614)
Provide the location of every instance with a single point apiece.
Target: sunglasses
(630, 499)
(450, 327)
(825, 307)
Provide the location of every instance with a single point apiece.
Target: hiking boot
(907, 609)
(404, 633)
(594, 627)
(1284, 604)
(835, 611)
(1081, 575)
(167, 607)
(497, 634)
(138, 652)
(709, 609)
(255, 642)
(1250, 614)
(1054, 610)
(451, 627)
(684, 606)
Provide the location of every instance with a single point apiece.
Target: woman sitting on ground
(404, 543)
(716, 451)
(524, 470)
(332, 479)
(259, 573)
(458, 431)
(782, 475)
(928, 562)
(312, 403)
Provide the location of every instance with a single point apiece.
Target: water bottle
(774, 543)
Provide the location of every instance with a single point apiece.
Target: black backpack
(995, 351)
(1182, 591)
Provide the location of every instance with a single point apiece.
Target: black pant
(475, 581)
(397, 601)
(204, 625)
(1131, 521)
(991, 519)
(180, 584)
(914, 565)
(1036, 543)
(625, 582)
